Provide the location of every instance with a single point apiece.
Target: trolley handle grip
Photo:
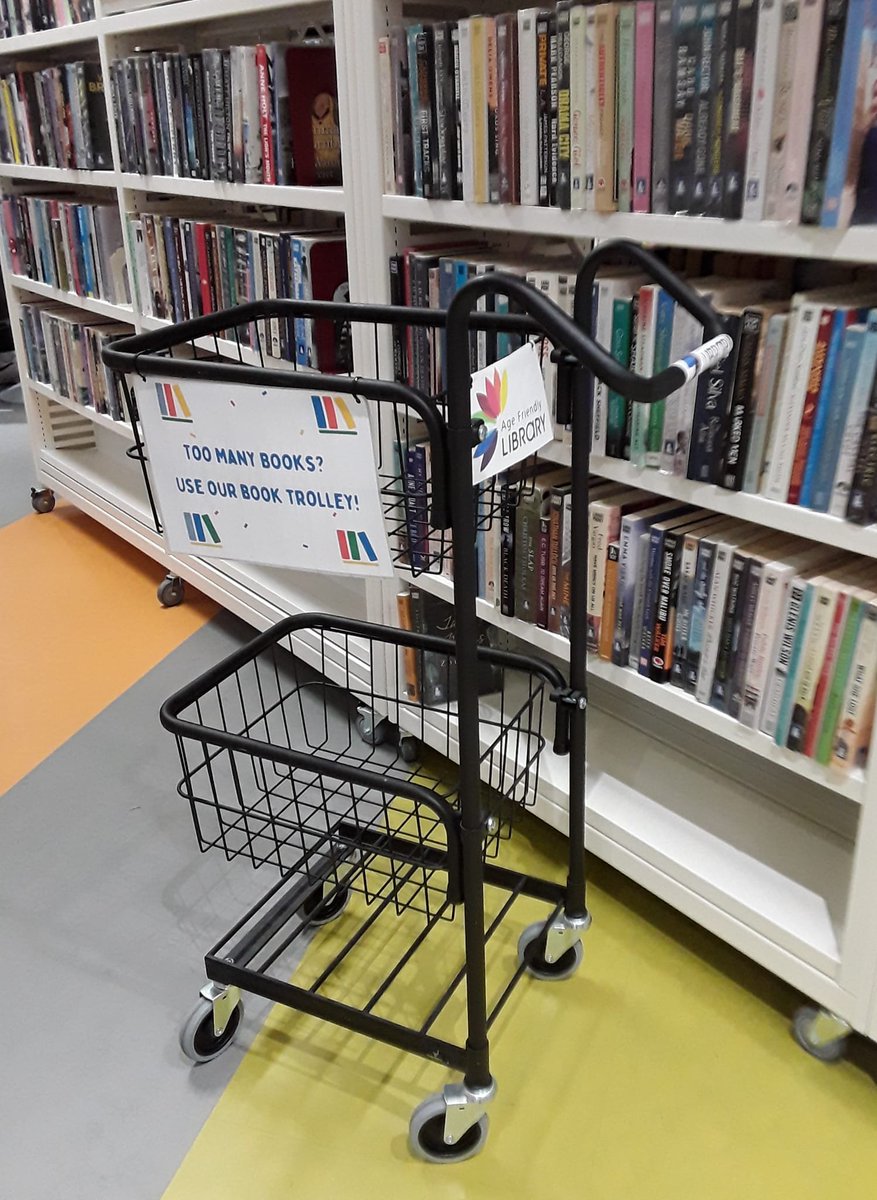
(718, 344)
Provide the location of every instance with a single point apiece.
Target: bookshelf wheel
(198, 1040)
(42, 499)
(820, 1033)
(373, 730)
(322, 912)
(409, 749)
(171, 591)
(538, 966)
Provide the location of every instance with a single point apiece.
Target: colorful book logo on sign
(201, 529)
(355, 547)
(333, 415)
(171, 402)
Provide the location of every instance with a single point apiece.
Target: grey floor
(106, 910)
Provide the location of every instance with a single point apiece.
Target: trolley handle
(648, 390)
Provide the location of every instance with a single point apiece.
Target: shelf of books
(728, 754)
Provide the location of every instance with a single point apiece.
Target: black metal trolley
(290, 766)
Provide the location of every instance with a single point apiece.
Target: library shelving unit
(767, 850)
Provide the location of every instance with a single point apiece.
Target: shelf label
(509, 399)
(265, 475)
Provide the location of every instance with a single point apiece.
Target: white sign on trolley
(509, 399)
(265, 475)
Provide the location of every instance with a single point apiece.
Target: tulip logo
(492, 402)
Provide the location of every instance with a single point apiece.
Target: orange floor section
(79, 623)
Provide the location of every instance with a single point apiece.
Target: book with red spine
(263, 78)
(644, 60)
(313, 115)
(203, 266)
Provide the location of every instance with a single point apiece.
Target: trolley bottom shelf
(375, 959)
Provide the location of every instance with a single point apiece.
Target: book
(827, 77)
(605, 173)
(852, 115)
(857, 608)
(610, 595)
(765, 73)
(313, 115)
(624, 105)
(643, 91)
(853, 733)
(858, 407)
(738, 106)
(528, 102)
(563, 191)
(578, 96)
(765, 390)
(662, 124)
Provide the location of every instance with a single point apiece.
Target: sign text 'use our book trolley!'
(316, 748)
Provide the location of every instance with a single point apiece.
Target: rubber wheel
(322, 912)
(426, 1132)
(372, 733)
(538, 966)
(802, 1024)
(197, 1039)
(42, 501)
(409, 749)
(171, 591)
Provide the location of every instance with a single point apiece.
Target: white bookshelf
(768, 851)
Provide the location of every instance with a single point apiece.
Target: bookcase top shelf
(313, 199)
(856, 244)
(666, 698)
(788, 518)
(46, 39)
(186, 12)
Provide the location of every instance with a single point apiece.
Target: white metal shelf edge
(187, 12)
(122, 428)
(45, 39)
(742, 237)
(314, 199)
(103, 308)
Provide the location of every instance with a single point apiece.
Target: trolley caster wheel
(820, 1034)
(426, 1134)
(198, 1040)
(42, 499)
(171, 591)
(537, 964)
(409, 749)
(321, 912)
(373, 730)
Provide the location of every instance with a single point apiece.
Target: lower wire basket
(286, 767)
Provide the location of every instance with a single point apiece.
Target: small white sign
(265, 475)
(509, 397)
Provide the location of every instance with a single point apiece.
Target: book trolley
(288, 769)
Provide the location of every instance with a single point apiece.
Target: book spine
(563, 194)
(660, 663)
(607, 620)
(789, 403)
(840, 675)
(426, 121)
(605, 199)
(553, 86)
(821, 466)
(764, 79)
(718, 596)
(742, 640)
(542, 573)
(765, 391)
(842, 166)
(729, 627)
(706, 65)
(507, 550)
(860, 506)
(628, 561)
(616, 404)
(811, 396)
(603, 333)
(664, 313)
(741, 411)
(772, 601)
(528, 107)
(645, 353)
(565, 575)
(854, 724)
(543, 91)
(679, 407)
(685, 601)
(624, 105)
(577, 103)
(640, 584)
(268, 165)
(493, 115)
(793, 172)
(663, 107)
(643, 89)
(467, 113)
(738, 105)
(854, 424)
(722, 63)
(783, 104)
(825, 95)
(402, 142)
(480, 100)
(444, 112)
(824, 671)
(457, 113)
(686, 51)
(703, 575)
(807, 625)
(645, 629)
(417, 103)
(794, 612)
(709, 414)
(825, 400)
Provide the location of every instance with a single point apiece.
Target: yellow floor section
(655, 1074)
(80, 623)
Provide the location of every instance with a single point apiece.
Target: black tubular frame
(452, 442)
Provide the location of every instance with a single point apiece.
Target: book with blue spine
(830, 418)
(855, 419)
(860, 19)
(802, 631)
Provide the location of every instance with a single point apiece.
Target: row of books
(247, 114)
(729, 108)
(189, 267)
(788, 416)
(18, 17)
(55, 117)
(76, 247)
(778, 633)
(63, 348)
